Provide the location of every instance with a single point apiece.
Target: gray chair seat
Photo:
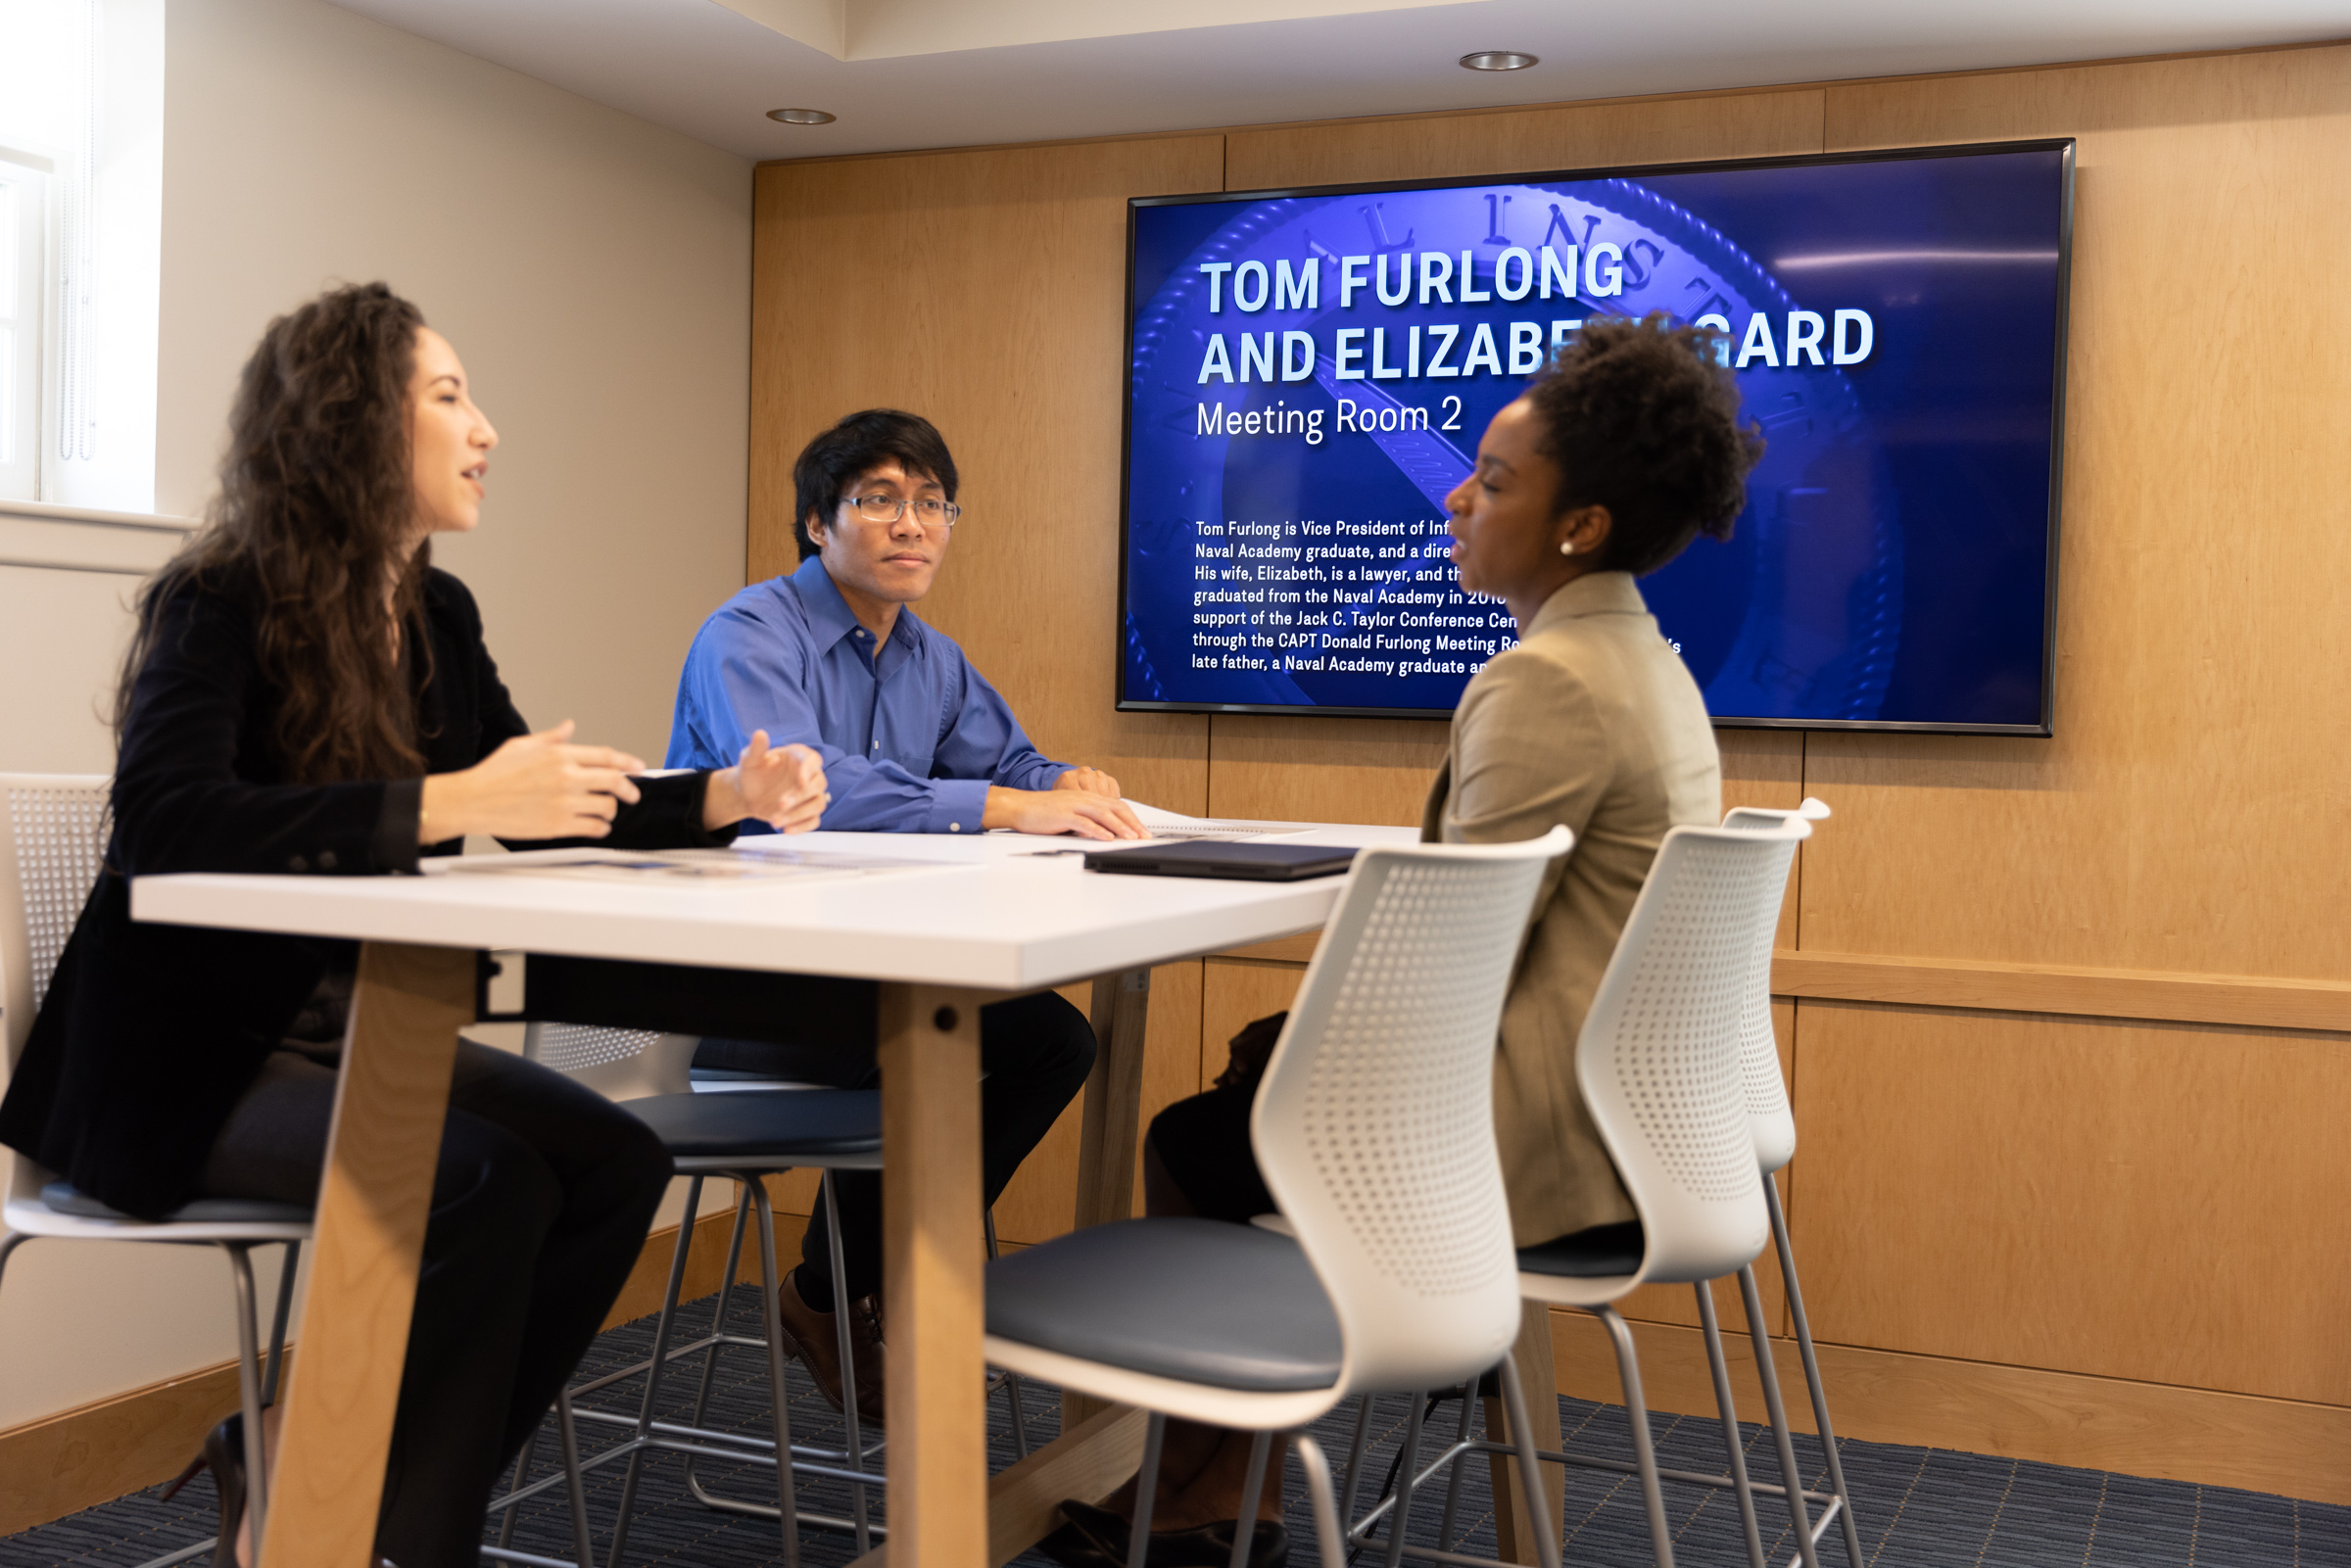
(1231, 1306)
(64, 1198)
(782, 1125)
(1602, 1251)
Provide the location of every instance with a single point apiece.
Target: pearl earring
(1566, 547)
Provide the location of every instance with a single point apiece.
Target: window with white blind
(25, 180)
(81, 249)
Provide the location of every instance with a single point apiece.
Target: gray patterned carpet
(1917, 1507)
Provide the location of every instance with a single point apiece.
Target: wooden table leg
(1513, 1541)
(932, 1257)
(390, 1101)
(1023, 1503)
(1109, 1134)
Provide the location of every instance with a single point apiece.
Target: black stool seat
(765, 1124)
(1599, 1251)
(1230, 1306)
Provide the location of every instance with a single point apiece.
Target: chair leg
(1769, 1375)
(847, 1362)
(523, 1474)
(1354, 1455)
(568, 1432)
(1531, 1472)
(1732, 1445)
(779, 1389)
(1406, 1470)
(1244, 1530)
(1453, 1479)
(1146, 1491)
(1329, 1539)
(1012, 1380)
(249, 1391)
(718, 1326)
(287, 1269)
(654, 1368)
(8, 1247)
(1636, 1408)
(1819, 1391)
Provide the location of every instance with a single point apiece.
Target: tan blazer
(1592, 721)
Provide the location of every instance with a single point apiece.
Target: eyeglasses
(878, 508)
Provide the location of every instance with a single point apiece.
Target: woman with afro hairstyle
(1625, 450)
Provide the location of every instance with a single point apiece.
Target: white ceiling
(913, 74)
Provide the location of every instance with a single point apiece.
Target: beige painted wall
(593, 272)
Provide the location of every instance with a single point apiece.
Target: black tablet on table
(1254, 862)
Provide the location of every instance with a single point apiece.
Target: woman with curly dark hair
(306, 695)
(1628, 447)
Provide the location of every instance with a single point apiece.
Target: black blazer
(149, 1034)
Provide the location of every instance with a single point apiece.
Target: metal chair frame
(1385, 1328)
(1775, 1129)
(625, 1064)
(1789, 828)
(66, 814)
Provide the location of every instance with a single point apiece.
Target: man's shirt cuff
(956, 805)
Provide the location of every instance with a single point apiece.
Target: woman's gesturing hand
(534, 786)
(784, 788)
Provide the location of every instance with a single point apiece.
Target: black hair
(855, 447)
(1643, 418)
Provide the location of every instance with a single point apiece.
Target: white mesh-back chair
(1393, 1269)
(744, 1136)
(1659, 1066)
(1774, 1125)
(53, 831)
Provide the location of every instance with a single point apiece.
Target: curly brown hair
(1643, 418)
(313, 517)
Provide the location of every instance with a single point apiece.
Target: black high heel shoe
(222, 1453)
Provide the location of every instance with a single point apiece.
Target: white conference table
(952, 923)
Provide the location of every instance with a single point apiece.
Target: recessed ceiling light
(1497, 60)
(811, 116)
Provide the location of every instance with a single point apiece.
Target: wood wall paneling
(2248, 1001)
(2190, 814)
(1926, 1401)
(1651, 130)
(2118, 1199)
(2105, 1206)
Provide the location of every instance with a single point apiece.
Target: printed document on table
(702, 867)
(1176, 825)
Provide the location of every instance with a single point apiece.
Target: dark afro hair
(1643, 418)
(855, 447)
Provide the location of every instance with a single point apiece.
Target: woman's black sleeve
(179, 802)
(668, 811)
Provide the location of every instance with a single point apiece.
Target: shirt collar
(1593, 594)
(829, 614)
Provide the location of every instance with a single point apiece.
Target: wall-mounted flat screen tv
(1309, 373)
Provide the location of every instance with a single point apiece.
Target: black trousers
(1034, 1051)
(541, 1203)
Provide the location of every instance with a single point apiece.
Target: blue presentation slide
(1310, 375)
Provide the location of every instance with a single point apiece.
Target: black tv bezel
(2062, 145)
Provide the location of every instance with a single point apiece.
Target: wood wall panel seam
(2242, 1001)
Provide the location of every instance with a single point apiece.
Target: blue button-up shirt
(912, 736)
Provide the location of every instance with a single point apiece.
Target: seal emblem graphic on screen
(1310, 373)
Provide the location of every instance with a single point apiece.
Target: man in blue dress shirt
(914, 740)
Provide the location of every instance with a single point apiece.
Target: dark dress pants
(1034, 1052)
(541, 1203)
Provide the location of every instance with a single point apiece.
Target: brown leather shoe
(814, 1337)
